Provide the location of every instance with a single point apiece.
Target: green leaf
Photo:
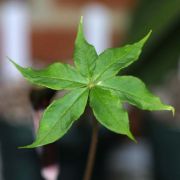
(109, 111)
(56, 76)
(95, 74)
(59, 117)
(112, 60)
(134, 91)
(84, 54)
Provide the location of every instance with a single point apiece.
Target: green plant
(94, 78)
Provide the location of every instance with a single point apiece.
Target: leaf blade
(112, 60)
(59, 117)
(57, 76)
(134, 91)
(84, 54)
(109, 111)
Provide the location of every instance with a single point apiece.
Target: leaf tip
(130, 135)
(80, 33)
(150, 32)
(21, 147)
(14, 63)
(172, 109)
(169, 108)
(81, 20)
(146, 37)
(10, 60)
(27, 147)
(33, 145)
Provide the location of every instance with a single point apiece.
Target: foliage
(94, 77)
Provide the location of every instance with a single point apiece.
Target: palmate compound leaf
(59, 116)
(57, 76)
(95, 74)
(84, 54)
(109, 111)
(134, 91)
(112, 60)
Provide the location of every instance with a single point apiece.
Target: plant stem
(92, 151)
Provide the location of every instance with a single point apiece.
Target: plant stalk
(92, 151)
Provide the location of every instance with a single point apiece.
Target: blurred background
(37, 33)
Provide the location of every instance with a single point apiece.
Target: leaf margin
(105, 53)
(36, 144)
(128, 133)
(143, 86)
(25, 75)
(89, 47)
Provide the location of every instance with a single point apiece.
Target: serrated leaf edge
(33, 145)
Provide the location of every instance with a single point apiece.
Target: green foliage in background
(93, 78)
(162, 50)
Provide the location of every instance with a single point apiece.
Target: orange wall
(57, 43)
